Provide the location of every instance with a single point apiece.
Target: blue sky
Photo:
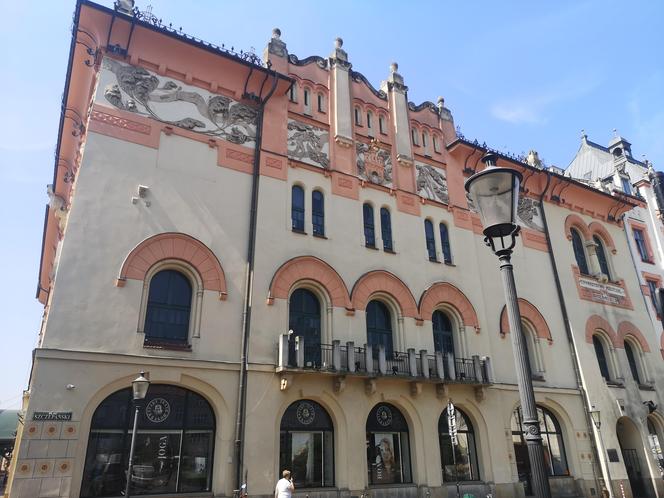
(518, 75)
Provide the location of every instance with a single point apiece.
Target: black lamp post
(597, 421)
(139, 387)
(495, 193)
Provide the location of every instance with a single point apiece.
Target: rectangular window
(321, 103)
(639, 238)
(368, 120)
(388, 457)
(381, 124)
(424, 140)
(652, 287)
(358, 119)
(626, 185)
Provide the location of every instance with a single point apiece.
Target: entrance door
(634, 458)
(634, 474)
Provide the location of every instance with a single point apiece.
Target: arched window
(304, 320)
(381, 124)
(169, 308)
(358, 119)
(318, 213)
(601, 256)
(579, 252)
(443, 335)
(552, 441)
(445, 243)
(600, 352)
(307, 445)
(631, 359)
(462, 464)
(369, 230)
(297, 208)
(655, 447)
(173, 450)
(386, 229)
(369, 119)
(379, 326)
(388, 446)
(430, 239)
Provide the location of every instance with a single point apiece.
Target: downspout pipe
(570, 338)
(249, 283)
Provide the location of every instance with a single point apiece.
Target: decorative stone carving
(137, 90)
(276, 45)
(308, 144)
(374, 163)
(528, 213)
(432, 183)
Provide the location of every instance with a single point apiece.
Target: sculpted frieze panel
(432, 183)
(308, 144)
(528, 213)
(374, 163)
(137, 90)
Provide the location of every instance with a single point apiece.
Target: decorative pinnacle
(615, 132)
(276, 33)
(394, 67)
(441, 101)
(338, 42)
(583, 134)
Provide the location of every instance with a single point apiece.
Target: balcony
(371, 362)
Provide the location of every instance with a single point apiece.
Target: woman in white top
(285, 486)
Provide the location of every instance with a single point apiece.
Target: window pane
(386, 228)
(386, 462)
(579, 252)
(601, 357)
(156, 462)
(640, 240)
(105, 468)
(379, 326)
(430, 240)
(169, 307)
(297, 208)
(558, 460)
(369, 232)
(443, 337)
(318, 212)
(631, 359)
(445, 242)
(196, 466)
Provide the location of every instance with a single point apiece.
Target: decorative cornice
(424, 105)
(405, 160)
(359, 77)
(344, 142)
(320, 61)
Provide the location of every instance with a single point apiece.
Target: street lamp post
(139, 387)
(495, 193)
(597, 421)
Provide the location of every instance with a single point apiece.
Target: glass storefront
(388, 446)
(462, 464)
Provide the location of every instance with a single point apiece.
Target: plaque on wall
(613, 455)
(60, 416)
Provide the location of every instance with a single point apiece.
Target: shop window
(443, 334)
(369, 229)
(297, 208)
(318, 213)
(168, 309)
(379, 327)
(307, 445)
(173, 450)
(631, 360)
(462, 464)
(641, 245)
(430, 240)
(386, 229)
(445, 244)
(388, 446)
(579, 252)
(602, 360)
(601, 256)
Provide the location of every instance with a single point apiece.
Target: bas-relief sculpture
(528, 213)
(308, 144)
(374, 163)
(431, 183)
(137, 90)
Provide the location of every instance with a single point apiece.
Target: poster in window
(302, 456)
(384, 460)
(155, 467)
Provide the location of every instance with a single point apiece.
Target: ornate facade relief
(374, 163)
(528, 214)
(308, 144)
(137, 90)
(432, 183)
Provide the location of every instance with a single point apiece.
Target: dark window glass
(445, 243)
(386, 228)
(297, 208)
(320, 103)
(640, 240)
(388, 446)
(601, 256)
(173, 450)
(601, 357)
(304, 320)
(318, 212)
(169, 307)
(655, 447)
(579, 252)
(357, 117)
(652, 288)
(379, 326)
(381, 124)
(306, 97)
(424, 139)
(413, 133)
(292, 93)
(369, 120)
(307, 445)
(626, 185)
(443, 336)
(631, 359)
(369, 230)
(465, 453)
(435, 143)
(430, 239)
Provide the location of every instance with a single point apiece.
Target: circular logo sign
(384, 416)
(157, 410)
(305, 413)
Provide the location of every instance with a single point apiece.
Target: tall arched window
(430, 240)
(369, 229)
(631, 359)
(601, 256)
(307, 444)
(174, 444)
(465, 453)
(379, 326)
(297, 208)
(655, 447)
(318, 212)
(388, 446)
(445, 243)
(579, 252)
(443, 335)
(552, 441)
(304, 320)
(386, 228)
(169, 308)
(600, 352)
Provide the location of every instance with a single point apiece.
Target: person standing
(285, 487)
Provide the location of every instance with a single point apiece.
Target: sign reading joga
(51, 416)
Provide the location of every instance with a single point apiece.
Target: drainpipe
(570, 340)
(249, 279)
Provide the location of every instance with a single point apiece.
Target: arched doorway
(388, 446)
(634, 458)
(304, 319)
(655, 443)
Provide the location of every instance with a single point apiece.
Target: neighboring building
(205, 203)
(8, 426)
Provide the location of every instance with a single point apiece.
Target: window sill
(320, 236)
(371, 247)
(646, 387)
(434, 260)
(449, 263)
(648, 261)
(297, 230)
(389, 251)
(167, 345)
(611, 383)
(538, 377)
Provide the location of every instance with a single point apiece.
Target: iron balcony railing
(295, 354)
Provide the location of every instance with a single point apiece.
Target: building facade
(290, 255)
